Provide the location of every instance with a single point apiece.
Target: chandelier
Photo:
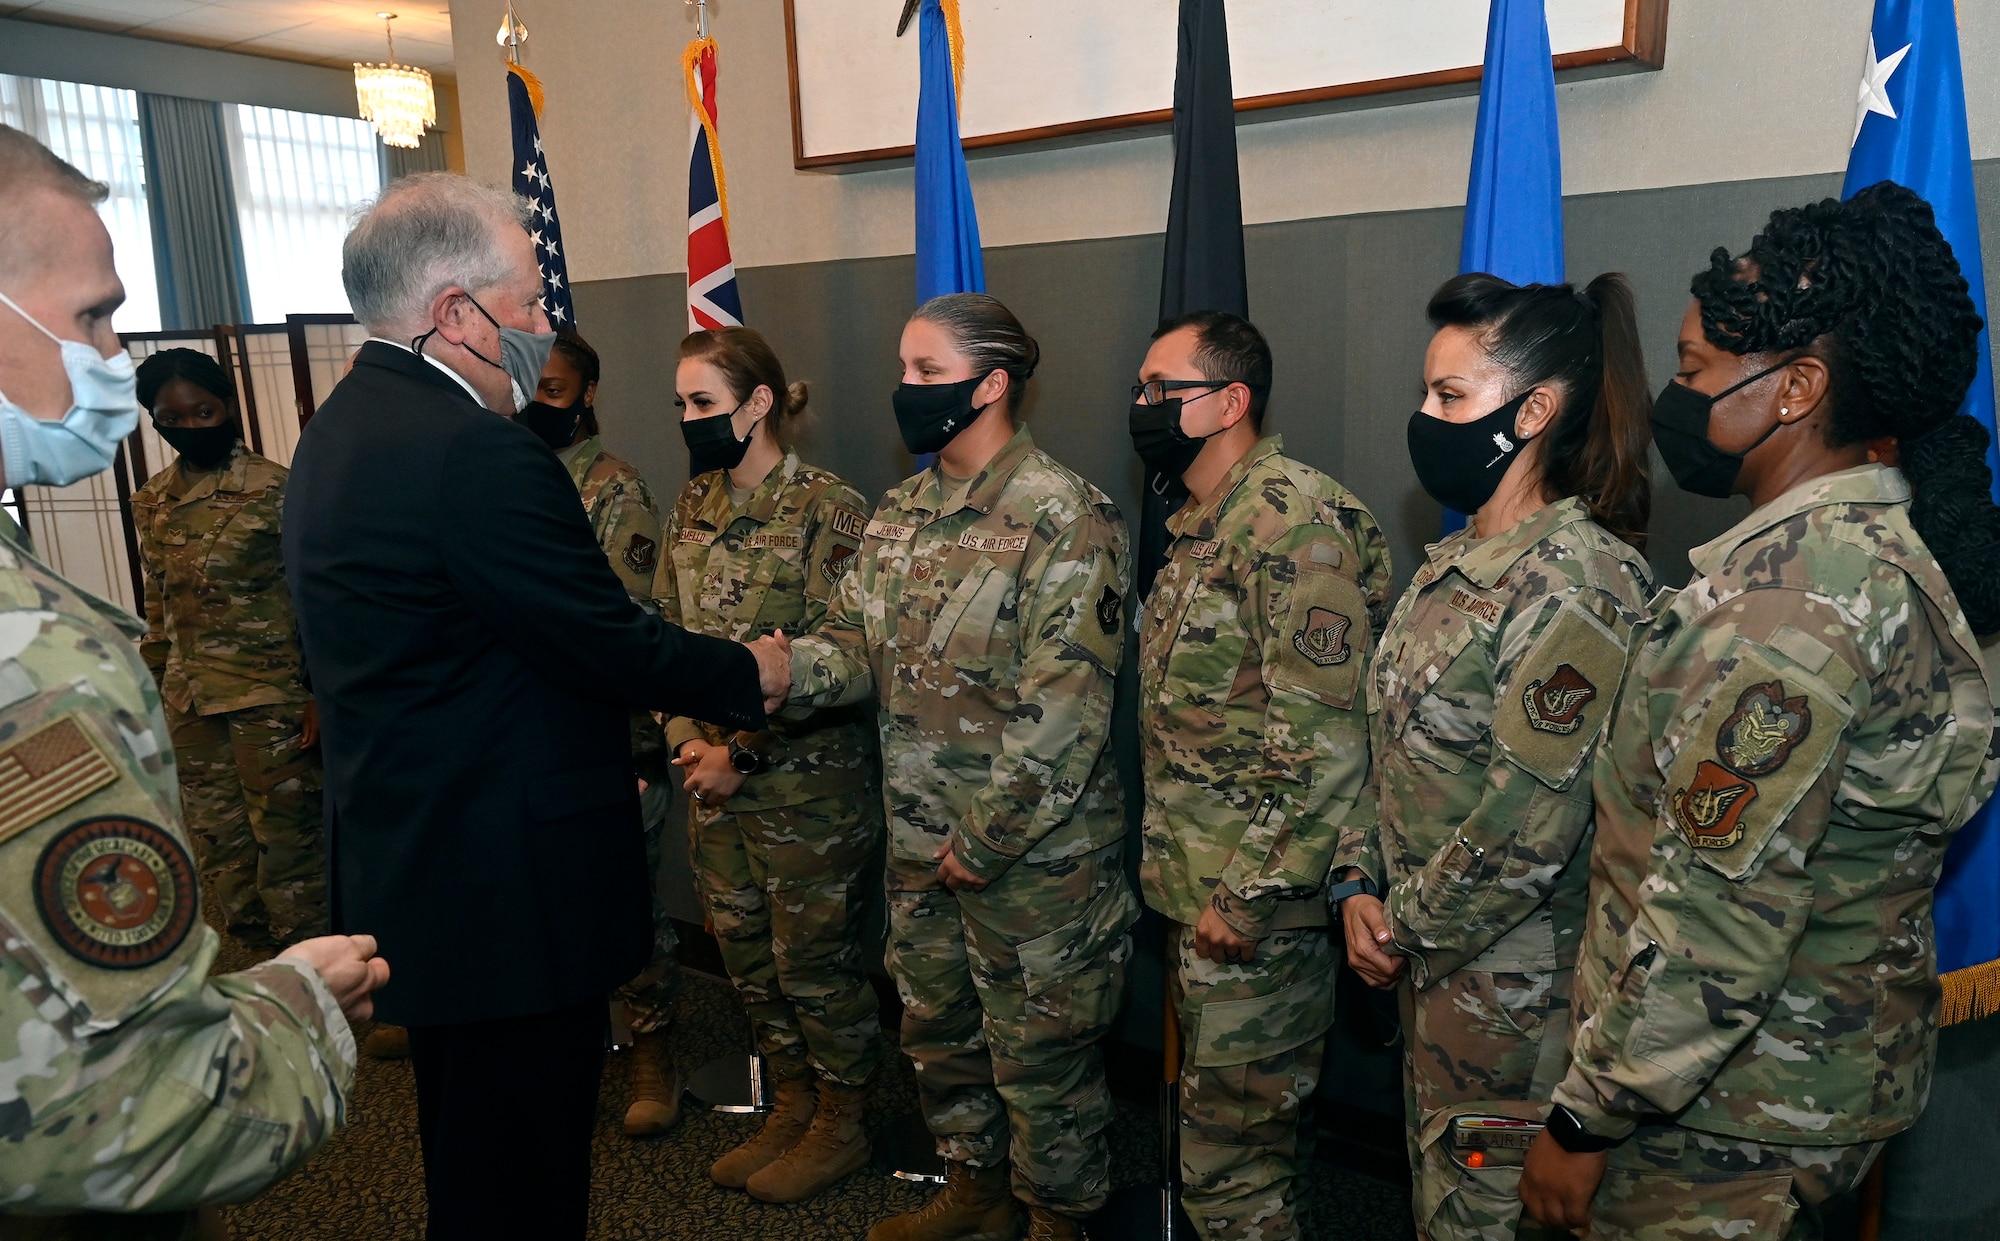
(397, 99)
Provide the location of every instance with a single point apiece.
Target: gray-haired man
(473, 656)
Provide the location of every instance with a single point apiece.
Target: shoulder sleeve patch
(1766, 736)
(1549, 724)
(1323, 642)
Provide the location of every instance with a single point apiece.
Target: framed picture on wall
(1048, 70)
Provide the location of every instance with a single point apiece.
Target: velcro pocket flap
(1548, 719)
(1049, 958)
(1767, 733)
(1230, 1032)
(1324, 640)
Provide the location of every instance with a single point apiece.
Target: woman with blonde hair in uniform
(1492, 682)
(785, 825)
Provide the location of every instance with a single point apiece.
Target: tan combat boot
(656, 1087)
(791, 1115)
(976, 1204)
(1047, 1225)
(835, 1146)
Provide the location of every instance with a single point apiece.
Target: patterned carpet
(368, 1182)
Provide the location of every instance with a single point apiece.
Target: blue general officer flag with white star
(1909, 127)
(531, 181)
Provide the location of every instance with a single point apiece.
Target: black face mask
(1680, 428)
(204, 448)
(931, 415)
(1158, 439)
(1461, 463)
(712, 443)
(556, 424)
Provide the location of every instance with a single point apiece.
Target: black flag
(1204, 260)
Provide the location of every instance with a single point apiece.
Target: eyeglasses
(1153, 391)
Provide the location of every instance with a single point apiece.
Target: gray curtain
(197, 243)
(426, 156)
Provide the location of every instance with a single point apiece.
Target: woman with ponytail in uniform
(1800, 731)
(786, 824)
(1492, 681)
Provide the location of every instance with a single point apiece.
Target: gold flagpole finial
(511, 36)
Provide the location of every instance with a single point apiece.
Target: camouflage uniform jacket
(1800, 732)
(988, 628)
(742, 573)
(1253, 726)
(1491, 687)
(621, 510)
(129, 1079)
(219, 629)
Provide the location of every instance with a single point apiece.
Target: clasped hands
(774, 668)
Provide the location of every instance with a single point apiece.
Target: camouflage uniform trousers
(1489, 1042)
(787, 890)
(1003, 1007)
(1254, 1035)
(649, 998)
(251, 799)
(1666, 1183)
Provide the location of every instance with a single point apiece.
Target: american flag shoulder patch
(53, 767)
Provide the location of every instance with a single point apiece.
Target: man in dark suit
(473, 657)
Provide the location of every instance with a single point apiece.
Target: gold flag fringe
(689, 59)
(956, 35)
(1971, 993)
(534, 85)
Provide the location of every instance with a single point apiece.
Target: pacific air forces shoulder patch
(641, 554)
(1322, 652)
(837, 563)
(1751, 757)
(1550, 726)
(1323, 637)
(1109, 606)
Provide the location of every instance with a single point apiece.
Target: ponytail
(1586, 344)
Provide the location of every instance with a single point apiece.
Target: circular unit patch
(117, 892)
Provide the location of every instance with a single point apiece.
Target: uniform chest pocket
(973, 616)
(1450, 705)
(1208, 644)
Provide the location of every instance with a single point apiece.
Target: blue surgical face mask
(103, 410)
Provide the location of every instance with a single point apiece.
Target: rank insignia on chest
(1764, 729)
(1323, 641)
(641, 554)
(1712, 806)
(116, 892)
(838, 561)
(1108, 609)
(1555, 705)
(920, 571)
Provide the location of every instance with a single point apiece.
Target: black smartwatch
(1360, 886)
(744, 759)
(1570, 1134)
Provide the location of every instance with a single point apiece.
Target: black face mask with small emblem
(1461, 463)
(929, 416)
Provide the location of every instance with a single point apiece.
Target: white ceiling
(324, 32)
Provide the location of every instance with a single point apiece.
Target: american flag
(531, 181)
(712, 297)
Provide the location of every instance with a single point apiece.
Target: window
(299, 178)
(96, 129)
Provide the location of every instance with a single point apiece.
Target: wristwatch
(1570, 1134)
(745, 759)
(1362, 885)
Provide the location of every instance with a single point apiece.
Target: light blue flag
(1909, 127)
(948, 258)
(1513, 202)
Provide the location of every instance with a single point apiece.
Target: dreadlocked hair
(1870, 287)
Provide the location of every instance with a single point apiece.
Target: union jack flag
(531, 181)
(712, 297)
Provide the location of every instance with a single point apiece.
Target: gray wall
(1341, 299)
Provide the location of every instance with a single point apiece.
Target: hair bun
(795, 398)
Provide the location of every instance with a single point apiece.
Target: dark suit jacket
(474, 658)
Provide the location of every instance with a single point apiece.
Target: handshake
(774, 668)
